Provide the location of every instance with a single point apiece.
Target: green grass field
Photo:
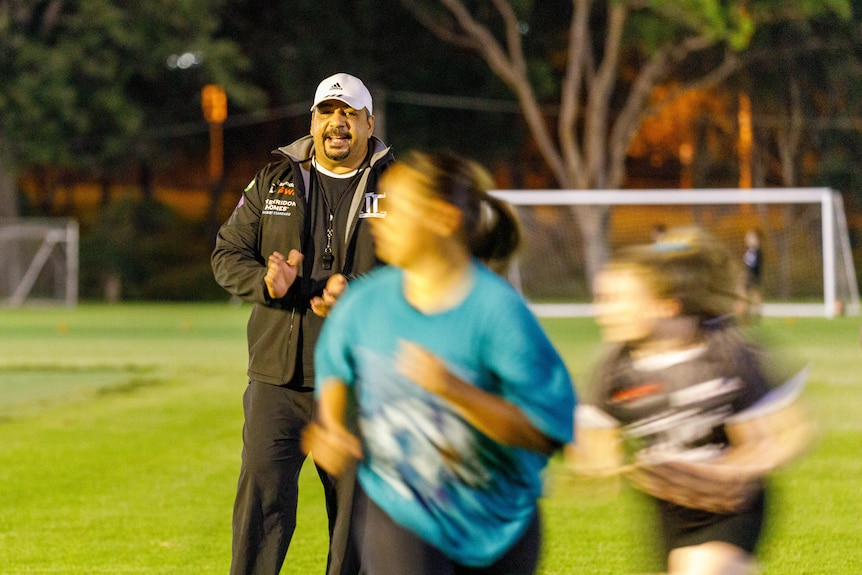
(120, 439)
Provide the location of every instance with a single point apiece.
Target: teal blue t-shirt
(425, 465)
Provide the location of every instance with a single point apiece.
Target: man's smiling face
(341, 135)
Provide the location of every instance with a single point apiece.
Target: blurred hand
(281, 272)
(700, 485)
(332, 448)
(490, 413)
(424, 368)
(335, 286)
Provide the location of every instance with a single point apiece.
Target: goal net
(38, 261)
(807, 269)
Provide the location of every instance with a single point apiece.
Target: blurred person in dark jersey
(684, 405)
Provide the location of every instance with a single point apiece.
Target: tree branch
(654, 72)
(442, 29)
(51, 17)
(570, 90)
(600, 91)
(509, 65)
(731, 64)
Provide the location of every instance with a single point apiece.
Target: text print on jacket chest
(280, 200)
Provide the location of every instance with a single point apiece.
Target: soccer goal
(38, 261)
(808, 266)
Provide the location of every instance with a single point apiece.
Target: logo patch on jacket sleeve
(280, 200)
(284, 188)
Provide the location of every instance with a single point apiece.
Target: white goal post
(38, 261)
(808, 268)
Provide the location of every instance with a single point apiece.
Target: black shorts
(385, 547)
(683, 527)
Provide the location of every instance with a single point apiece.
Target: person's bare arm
(757, 446)
(596, 451)
(495, 416)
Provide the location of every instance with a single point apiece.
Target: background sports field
(120, 439)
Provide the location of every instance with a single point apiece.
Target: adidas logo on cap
(344, 88)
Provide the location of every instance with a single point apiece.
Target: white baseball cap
(345, 88)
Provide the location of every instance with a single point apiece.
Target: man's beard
(336, 157)
(340, 155)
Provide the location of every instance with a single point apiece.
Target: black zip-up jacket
(271, 216)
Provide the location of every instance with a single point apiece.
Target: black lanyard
(328, 258)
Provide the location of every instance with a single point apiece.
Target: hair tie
(719, 322)
(670, 246)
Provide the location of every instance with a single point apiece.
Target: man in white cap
(295, 239)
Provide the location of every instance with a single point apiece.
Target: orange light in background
(685, 124)
(686, 157)
(745, 141)
(214, 105)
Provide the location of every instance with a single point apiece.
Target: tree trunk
(8, 183)
(10, 270)
(213, 222)
(104, 191)
(595, 224)
(146, 182)
(8, 195)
